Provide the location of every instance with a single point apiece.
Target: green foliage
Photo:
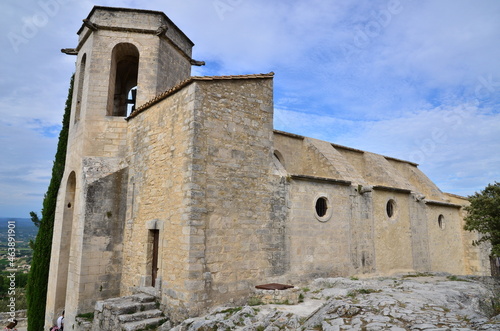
(86, 316)
(20, 280)
(456, 279)
(484, 216)
(354, 293)
(20, 297)
(255, 301)
(35, 219)
(39, 272)
(418, 274)
(231, 311)
(495, 305)
(367, 291)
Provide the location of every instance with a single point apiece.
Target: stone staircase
(132, 313)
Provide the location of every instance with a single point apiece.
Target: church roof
(190, 80)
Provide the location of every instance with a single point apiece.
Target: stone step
(142, 297)
(142, 315)
(143, 324)
(130, 307)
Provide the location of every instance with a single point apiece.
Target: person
(60, 321)
(11, 325)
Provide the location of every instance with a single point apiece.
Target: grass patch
(367, 291)
(286, 302)
(456, 279)
(353, 293)
(255, 301)
(231, 311)
(418, 274)
(86, 316)
(495, 305)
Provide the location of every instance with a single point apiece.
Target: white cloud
(339, 76)
(453, 146)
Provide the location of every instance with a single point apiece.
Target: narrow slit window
(79, 91)
(441, 222)
(390, 208)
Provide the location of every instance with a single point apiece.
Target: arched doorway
(65, 243)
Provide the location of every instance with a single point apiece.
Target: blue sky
(416, 80)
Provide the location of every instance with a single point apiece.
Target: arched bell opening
(123, 79)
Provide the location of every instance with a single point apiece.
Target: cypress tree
(39, 272)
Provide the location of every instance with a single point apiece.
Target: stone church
(179, 186)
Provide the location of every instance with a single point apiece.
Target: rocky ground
(411, 302)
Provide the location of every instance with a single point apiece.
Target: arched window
(441, 223)
(79, 88)
(65, 242)
(123, 79)
(279, 156)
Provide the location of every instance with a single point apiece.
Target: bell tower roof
(135, 20)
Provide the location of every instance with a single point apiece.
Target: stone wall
(420, 240)
(160, 189)
(362, 241)
(93, 228)
(319, 246)
(445, 241)
(243, 239)
(210, 189)
(103, 239)
(410, 240)
(393, 250)
(196, 166)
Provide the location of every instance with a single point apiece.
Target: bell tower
(124, 58)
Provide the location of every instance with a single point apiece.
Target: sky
(414, 80)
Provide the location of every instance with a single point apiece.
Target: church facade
(180, 185)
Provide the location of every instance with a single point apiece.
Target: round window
(390, 208)
(322, 208)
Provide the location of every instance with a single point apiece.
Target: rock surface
(411, 302)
